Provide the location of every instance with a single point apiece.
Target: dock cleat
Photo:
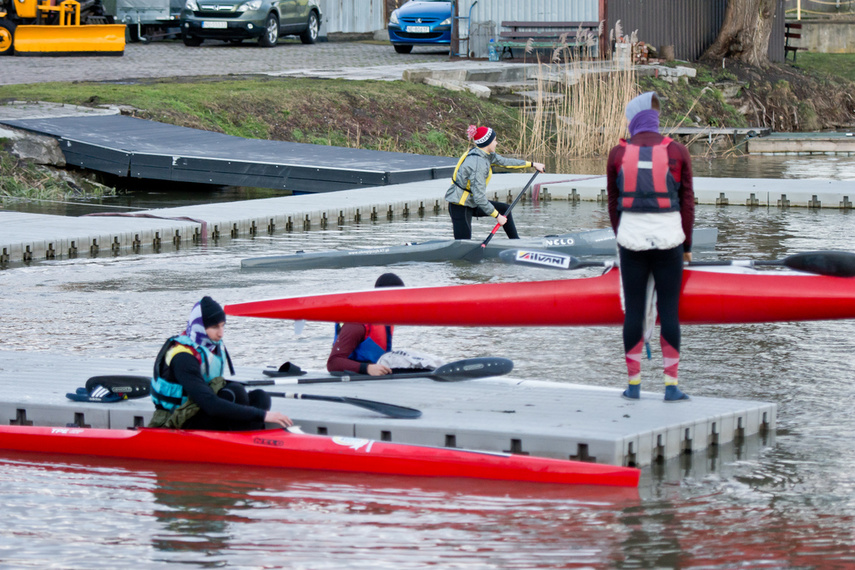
(632, 392)
(674, 394)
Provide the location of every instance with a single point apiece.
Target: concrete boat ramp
(508, 413)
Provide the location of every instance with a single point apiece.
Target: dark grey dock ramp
(129, 147)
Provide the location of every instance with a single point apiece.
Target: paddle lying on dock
(456, 371)
(390, 410)
(828, 263)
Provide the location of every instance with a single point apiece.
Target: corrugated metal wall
(352, 16)
(488, 15)
(691, 26)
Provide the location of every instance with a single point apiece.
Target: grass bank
(377, 115)
(20, 179)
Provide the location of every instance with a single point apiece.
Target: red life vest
(378, 341)
(645, 180)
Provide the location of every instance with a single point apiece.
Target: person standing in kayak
(467, 195)
(188, 388)
(652, 211)
(367, 349)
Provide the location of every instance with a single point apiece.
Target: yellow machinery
(52, 27)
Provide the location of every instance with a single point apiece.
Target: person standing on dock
(652, 211)
(188, 388)
(367, 349)
(467, 195)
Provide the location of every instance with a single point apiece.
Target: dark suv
(237, 20)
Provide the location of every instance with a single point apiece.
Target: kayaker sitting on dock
(652, 211)
(367, 349)
(188, 388)
(467, 195)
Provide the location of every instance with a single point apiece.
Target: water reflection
(827, 167)
(252, 517)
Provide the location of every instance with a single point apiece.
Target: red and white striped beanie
(484, 136)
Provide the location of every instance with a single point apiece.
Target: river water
(784, 502)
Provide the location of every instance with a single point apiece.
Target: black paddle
(456, 371)
(511, 207)
(478, 254)
(830, 263)
(390, 410)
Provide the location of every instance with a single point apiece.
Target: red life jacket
(645, 180)
(378, 341)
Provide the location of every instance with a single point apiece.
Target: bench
(788, 35)
(543, 35)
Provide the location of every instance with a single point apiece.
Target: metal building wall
(488, 15)
(352, 16)
(691, 26)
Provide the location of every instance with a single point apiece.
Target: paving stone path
(174, 59)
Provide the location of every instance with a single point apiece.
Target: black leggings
(666, 266)
(236, 393)
(461, 220)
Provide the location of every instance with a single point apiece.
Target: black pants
(461, 220)
(236, 393)
(666, 266)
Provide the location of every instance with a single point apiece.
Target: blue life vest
(170, 395)
(378, 341)
(645, 180)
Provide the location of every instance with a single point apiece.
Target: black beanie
(388, 280)
(212, 313)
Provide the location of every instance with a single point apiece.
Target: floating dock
(136, 148)
(34, 237)
(504, 414)
(837, 143)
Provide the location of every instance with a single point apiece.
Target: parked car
(420, 22)
(238, 20)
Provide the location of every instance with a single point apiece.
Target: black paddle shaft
(390, 410)
(511, 207)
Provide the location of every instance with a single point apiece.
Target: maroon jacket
(680, 165)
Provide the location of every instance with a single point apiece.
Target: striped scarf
(196, 331)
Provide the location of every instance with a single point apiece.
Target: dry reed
(577, 110)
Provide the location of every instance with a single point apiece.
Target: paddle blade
(472, 368)
(539, 259)
(390, 410)
(832, 263)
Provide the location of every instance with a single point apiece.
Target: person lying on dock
(188, 388)
(367, 349)
(467, 195)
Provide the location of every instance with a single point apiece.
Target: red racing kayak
(279, 448)
(708, 297)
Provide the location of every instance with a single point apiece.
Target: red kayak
(708, 297)
(279, 448)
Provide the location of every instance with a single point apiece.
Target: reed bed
(577, 111)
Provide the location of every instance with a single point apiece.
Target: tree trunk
(744, 35)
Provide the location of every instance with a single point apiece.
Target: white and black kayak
(584, 243)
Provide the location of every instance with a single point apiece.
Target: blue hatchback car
(420, 22)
